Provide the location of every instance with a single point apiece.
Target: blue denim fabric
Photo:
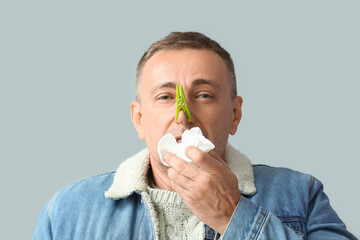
(287, 205)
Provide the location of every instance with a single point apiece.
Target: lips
(178, 139)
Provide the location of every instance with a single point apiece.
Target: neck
(159, 174)
(223, 156)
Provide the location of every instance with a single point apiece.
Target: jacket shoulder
(283, 186)
(280, 175)
(82, 193)
(88, 186)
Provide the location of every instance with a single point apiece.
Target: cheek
(217, 116)
(156, 123)
(155, 126)
(218, 123)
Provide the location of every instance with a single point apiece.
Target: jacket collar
(131, 175)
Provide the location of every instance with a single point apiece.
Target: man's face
(205, 80)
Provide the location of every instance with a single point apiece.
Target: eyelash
(164, 97)
(200, 96)
(204, 95)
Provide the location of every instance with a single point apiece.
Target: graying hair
(182, 40)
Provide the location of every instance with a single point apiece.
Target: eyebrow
(196, 82)
(163, 85)
(212, 83)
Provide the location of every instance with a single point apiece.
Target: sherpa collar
(131, 175)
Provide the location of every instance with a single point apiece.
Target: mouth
(178, 140)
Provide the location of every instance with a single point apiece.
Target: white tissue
(192, 137)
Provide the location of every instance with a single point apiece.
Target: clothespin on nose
(181, 103)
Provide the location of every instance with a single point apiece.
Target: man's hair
(183, 40)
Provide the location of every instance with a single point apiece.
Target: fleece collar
(131, 175)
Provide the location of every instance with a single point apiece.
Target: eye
(204, 95)
(164, 97)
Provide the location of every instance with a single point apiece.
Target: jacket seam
(292, 219)
(262, 224)
(258, 224)
(50, 209)
(153, 216)
(49, 216)
(141, 219)
(313, 181)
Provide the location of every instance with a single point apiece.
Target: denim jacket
(276, 203)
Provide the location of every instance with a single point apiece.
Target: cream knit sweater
(176, 221)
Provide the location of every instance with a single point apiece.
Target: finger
(203, 160)
(180, 179)
(185, 168)
(179, 189)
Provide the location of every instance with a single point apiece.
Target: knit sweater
(176, 221)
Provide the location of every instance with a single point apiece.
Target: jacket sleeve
(322, 221)
(250, 221)
(43, 228)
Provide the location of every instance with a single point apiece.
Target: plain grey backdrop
(67, 71)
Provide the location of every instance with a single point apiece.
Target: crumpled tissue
(192, 137)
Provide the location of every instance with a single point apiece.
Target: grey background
(67, 78)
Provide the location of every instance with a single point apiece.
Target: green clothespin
(181, 103)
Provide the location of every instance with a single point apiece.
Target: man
(219, 194)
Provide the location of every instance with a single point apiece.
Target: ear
(136, 118)
(237, 114)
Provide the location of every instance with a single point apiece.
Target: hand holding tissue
(192, 137)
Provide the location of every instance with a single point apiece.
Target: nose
(182, 118)
(182, 108)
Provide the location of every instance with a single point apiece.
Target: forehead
(184, 66)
